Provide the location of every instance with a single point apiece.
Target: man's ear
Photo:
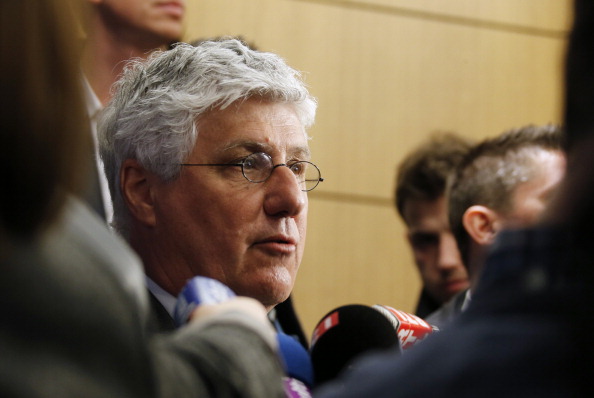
(481, 223)
(136, 187)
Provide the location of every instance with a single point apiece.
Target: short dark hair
(423, 174)
(491, 171)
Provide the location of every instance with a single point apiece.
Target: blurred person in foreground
(421, 202)
(528, 330)
(207, 156)
(503, 182)
(74, 309)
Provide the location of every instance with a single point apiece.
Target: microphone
(410, 328)
(345, 333)
(199, 290)
(297, 365)
(349, 331)
(295, 359)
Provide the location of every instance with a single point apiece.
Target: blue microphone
(297, 365)
(199, 290)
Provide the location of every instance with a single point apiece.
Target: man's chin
(269, 288)
(454, 288)
(269, 298)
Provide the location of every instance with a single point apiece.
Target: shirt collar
(94, 106)
(167, 300)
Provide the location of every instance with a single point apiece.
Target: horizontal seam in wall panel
(351, 198)
(449, 19)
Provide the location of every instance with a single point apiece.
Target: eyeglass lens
(258, 167)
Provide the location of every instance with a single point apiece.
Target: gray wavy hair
(156, 104)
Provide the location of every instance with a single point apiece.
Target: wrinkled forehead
(255, 125)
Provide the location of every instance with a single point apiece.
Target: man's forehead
(426, 216)
(417, 209)
(247, 126)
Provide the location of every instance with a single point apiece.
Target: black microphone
(347, 332)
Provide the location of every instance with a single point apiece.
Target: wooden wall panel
(386, 74)
(538, 15)
(352, 256)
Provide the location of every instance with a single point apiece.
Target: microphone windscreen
(199, 290)
(344, 334)
(295, 359)
(295, 388)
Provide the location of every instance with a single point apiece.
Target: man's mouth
(277, 244)
(172, 8)
(457, 284)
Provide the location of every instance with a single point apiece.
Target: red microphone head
(410, 328)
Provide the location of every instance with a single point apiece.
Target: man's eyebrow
(250, 145)
(299, 151)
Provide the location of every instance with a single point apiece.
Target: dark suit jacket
(289, 321)
(426, 304)
(160, 320)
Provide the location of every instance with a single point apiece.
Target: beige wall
(386, 74)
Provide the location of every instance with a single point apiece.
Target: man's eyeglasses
(258, 167)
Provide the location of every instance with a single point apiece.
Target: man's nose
(284, 195)
(449, 255)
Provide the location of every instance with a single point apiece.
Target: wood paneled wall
(386, 74)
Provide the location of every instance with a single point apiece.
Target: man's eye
(424, 241)
(249, 163)
(256, 161)
(298, 168)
